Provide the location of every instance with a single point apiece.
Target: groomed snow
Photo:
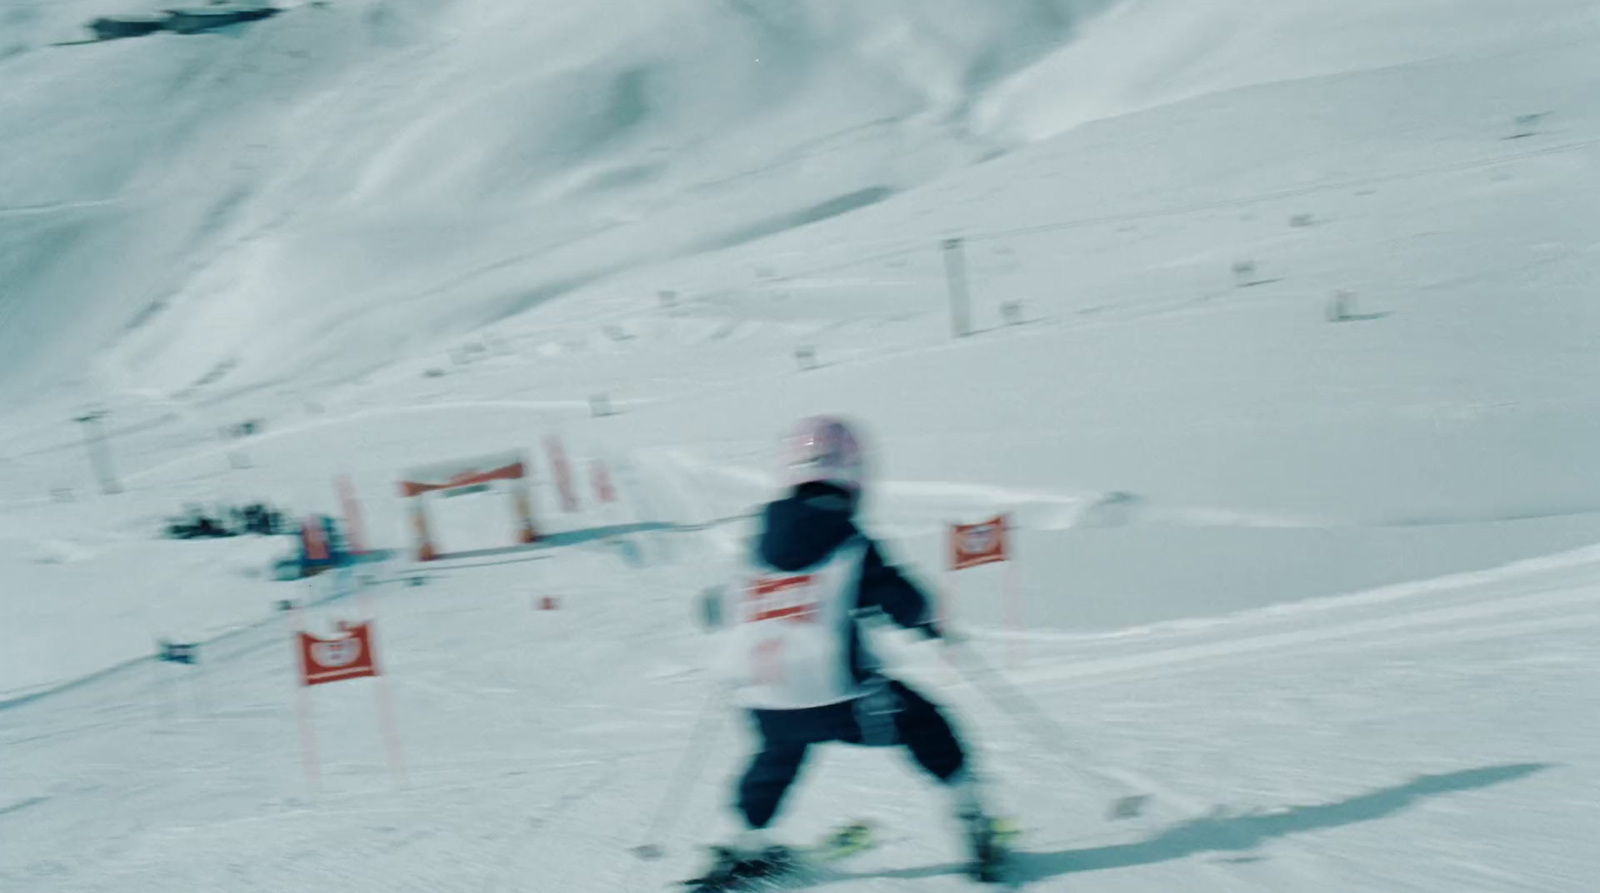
(1326, 590)
(1428, 737)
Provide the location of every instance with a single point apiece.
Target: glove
(932, 630)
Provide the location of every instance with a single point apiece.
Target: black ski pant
(890, 716)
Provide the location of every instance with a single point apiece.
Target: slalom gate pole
(948, 599)
(946, 611)
(308, 741)
(391, 733)
(1047, 734)
(309, 758)
(683, 776)
(162, 701)
(1013, 610)
(201, 686)
(950, 674)
(391, 730)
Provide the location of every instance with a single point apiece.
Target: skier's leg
(922, 728)
(771, 772)
(752, 853)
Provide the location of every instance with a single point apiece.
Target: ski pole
(683, 776)
(1050, 737)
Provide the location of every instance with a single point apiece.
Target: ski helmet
(823, 449)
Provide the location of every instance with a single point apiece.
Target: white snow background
(1328, 591)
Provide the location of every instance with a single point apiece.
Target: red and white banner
(972, 545)
(561, 470)
(350, 656)
(334, 660)
(462, 474)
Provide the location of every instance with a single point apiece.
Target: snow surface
(1327, 591)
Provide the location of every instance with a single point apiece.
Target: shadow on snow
(1222, 833)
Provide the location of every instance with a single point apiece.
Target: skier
(796, 659)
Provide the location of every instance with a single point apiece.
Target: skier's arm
(885, 588)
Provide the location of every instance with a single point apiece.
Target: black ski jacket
(805, 527)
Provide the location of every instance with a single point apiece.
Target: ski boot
(987, 842)
(733, 869)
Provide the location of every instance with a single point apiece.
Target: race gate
(501, 472)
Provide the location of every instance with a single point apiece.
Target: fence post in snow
(1526, 125)
(955, 271)
(806, 357)
(1342, 306)
(1011, 312)
(94, 437)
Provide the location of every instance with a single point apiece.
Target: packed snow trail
(397, 232)
(1423, 744)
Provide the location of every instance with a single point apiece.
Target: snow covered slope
(404, 232)
(1263, 453)
(401, 189)
(1414, 739)
(308, 194)
(1155, 52)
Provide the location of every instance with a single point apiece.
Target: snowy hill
(400, 232)
(292, 179)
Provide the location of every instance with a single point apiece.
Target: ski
(786, 867)
(844, 841)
